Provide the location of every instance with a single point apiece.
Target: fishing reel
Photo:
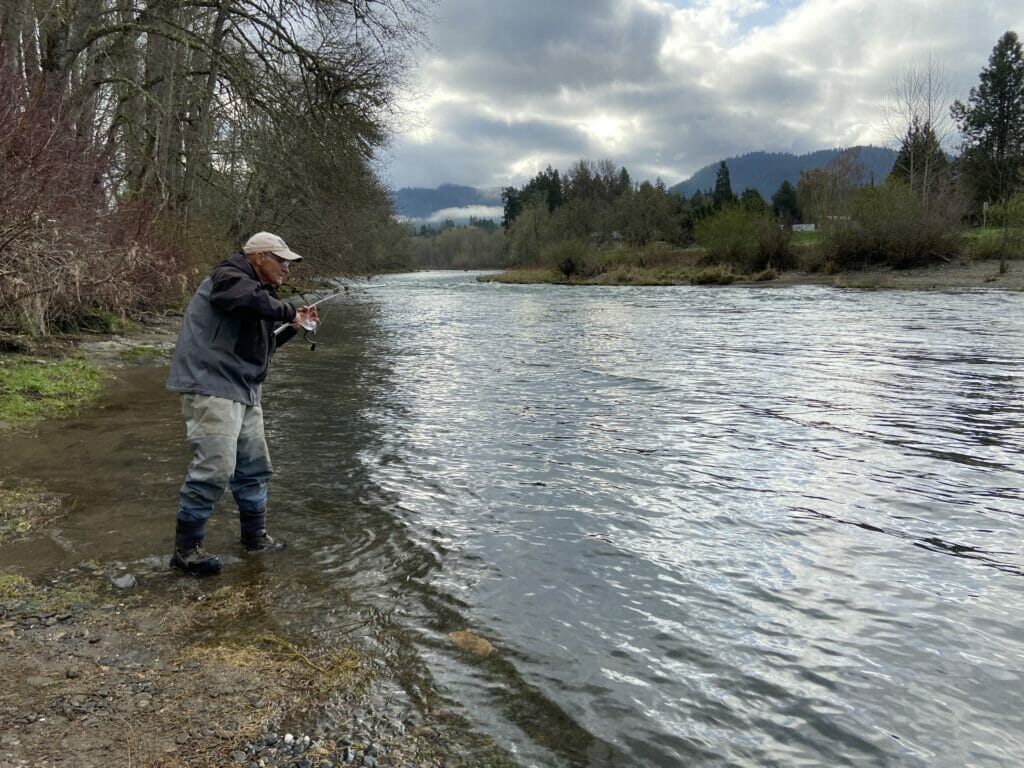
(309, 329)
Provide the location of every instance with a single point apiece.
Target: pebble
(124, 582)
(373, 733)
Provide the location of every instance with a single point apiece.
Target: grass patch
(806, 238)
(323, 672)
(523, 277)
(32, 389)
(15, 587)
(991, 243)
(21, 595)
(880, 283)
(64, 597)
(621, 274)
(24, 509)
(717, 275)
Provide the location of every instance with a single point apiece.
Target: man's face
(270, 269)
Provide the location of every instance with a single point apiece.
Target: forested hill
(421, 202)
(765, 171)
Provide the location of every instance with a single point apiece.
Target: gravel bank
(97, 674)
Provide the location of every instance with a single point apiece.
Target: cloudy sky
(665, 87)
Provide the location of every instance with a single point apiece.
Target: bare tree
(216, 116)
(916, 119)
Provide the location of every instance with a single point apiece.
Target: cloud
(666, 87)
(460, 215)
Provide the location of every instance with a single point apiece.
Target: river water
(728, 526)
(700, 526)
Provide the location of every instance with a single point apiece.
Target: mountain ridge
(765, 171)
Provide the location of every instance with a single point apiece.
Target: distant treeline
(478, 245)
(594, 215)
(142, 141)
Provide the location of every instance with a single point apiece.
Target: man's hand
(305, 315)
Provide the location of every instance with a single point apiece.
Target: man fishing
(220, 361)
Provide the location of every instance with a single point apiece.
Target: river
(700, 526)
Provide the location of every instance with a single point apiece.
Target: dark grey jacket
(226, 338)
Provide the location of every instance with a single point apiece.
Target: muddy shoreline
(959, 274)
(113, 662)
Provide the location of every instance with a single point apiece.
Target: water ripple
(735, 526)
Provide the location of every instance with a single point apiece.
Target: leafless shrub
(65, 252)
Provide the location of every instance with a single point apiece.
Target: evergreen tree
(784, 204)
(546, 186)
(512, 205)
(723, 194)
(625, 184)
(992, 123)
(701, 204)
(921, 163)
(751, 200)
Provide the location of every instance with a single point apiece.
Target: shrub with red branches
(68, 251)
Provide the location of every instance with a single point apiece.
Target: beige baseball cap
(268, 242)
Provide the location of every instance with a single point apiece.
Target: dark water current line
(699, 526)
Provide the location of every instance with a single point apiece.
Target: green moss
(61, 597)
(32, 389)
(21, 594)
(14, 587)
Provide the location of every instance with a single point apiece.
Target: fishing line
(310, 328)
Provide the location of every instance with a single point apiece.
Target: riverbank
(114, 661)
(112, 665)
(960, 274)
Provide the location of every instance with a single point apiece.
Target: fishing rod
(310, 325)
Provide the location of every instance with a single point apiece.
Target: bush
(68, 253)
(747, 240)
(890, 225)
(992, 244)
(1006, 242)
(1009, 213)
(717, 275)
(573, 258)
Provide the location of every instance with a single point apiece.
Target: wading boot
(254, 533)
(189, 555)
